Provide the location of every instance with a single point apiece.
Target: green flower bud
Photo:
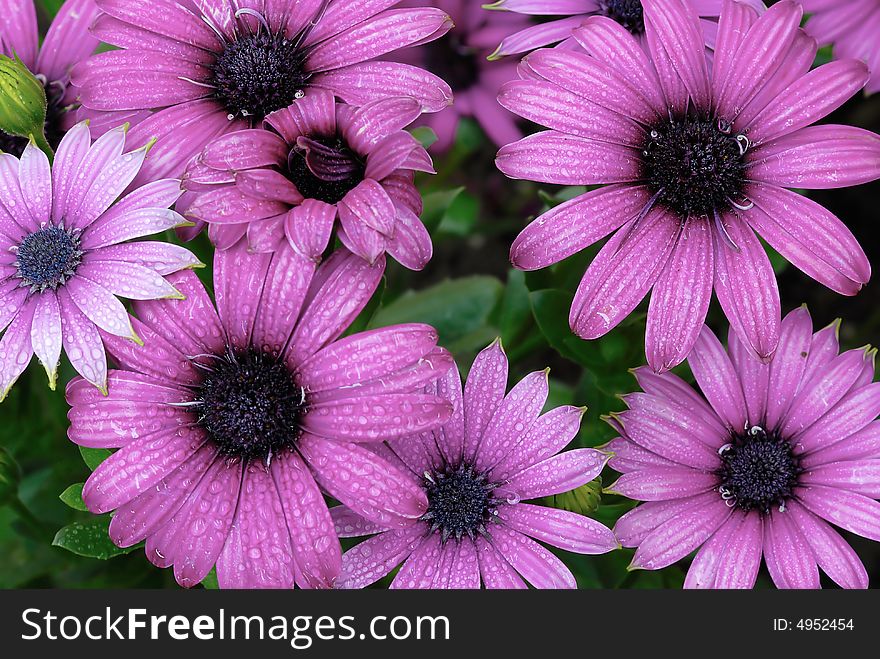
(10, 477)
(584, 500)
(22, 102)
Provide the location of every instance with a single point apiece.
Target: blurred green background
(470, 294)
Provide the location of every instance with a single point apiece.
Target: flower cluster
(694, 161)
(761, 464)
(252, 419)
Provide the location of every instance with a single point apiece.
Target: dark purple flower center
(454, 61)
(694, 166)
(758, 471)
(47, 258)
(626, 12)
(460, 502)
(249, 404)
(258, 74)
(53, 128)
(324, 168)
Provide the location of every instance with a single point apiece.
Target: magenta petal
(341, 288)
(257, 553)
(731, 557)
(664, 483)
(82, 343)
(348, 524)
(483, 392)
(863, 444)
(809, 99)
(673, 540)
(560, 528)
(315, 546)
(138, 466)
(561, 473)
(147, 514)
(819, 158)
(553, 157)
(366, 563)
(718, 381)
(535, 563)
(811, 237)
(240, 277)
(754, 376)
(787, 367)
(420, 569)
(633, 527)
(364, 482)
(745, 285)
(850, 511)
(575, 225)
(850, 415)
(465, 571)
(674, 28)
(46, 337)
(823, 391)
(789, 558)
(495, 571)
(860, 476)
(357, 84)
(366, 356)
(16, 350)
(671, 431)
(309, 227)
(833, 554)
(286, 284)
(622, 274)
(204, 522)
(373, 418)
(548, 435)
(680, 299)
(516, 413)
(411, 244)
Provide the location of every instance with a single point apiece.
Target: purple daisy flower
(460, 58)
(698, 162)
(765, 464)
(64, 257)
(319, 160)
(853, 26)
(67, 42)
(188, 72)
(231, 423)
(494, 452)
(628, 13)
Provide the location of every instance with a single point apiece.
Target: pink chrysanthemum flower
(764, 462)
(231, 423)
(190, 71)
(698, 162)
(64, 256)
(319, 160)
(67, 42)
(494, 452)
(853, 26)
(460, 58)
(628, 13)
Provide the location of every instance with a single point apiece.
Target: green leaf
(550, 308)
(436, 205)
(94, 456)
(89, 539)
(72, 496)
(10, 477)
(583, 500)
(424, 135)
(516, 311)
(455, 307)
(461, 216)
(210, 582)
